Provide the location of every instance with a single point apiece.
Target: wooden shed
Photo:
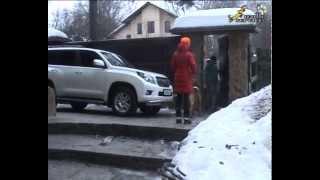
(233, 46)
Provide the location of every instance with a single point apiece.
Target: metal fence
(264, 68)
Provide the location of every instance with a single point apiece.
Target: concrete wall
(150, 13)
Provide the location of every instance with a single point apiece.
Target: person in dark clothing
(183, 65)
(211, 79)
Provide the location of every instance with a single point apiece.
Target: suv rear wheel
(150, 110)
(78, 106)
(124, 101)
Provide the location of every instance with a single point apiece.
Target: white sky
(53, 6)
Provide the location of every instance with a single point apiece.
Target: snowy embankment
(232, 144)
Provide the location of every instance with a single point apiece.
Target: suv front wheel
(124, 102)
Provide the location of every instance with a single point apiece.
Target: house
(146, 22)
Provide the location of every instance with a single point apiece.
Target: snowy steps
(110, 144)
(118, 151)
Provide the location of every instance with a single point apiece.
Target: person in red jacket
(183, 65)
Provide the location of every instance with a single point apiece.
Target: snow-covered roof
(232, 144)
(211, 20)
(56, 33)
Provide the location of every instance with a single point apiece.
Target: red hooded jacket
(183, 65)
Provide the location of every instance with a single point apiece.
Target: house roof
(117, 29)
(131, 16)
(138, 11)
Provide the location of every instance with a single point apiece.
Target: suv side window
(63, 57)
(52, 58)
(69, 57)
(87, 58)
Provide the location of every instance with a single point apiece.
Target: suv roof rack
(63, 45)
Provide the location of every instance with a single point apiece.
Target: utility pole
(93, 7)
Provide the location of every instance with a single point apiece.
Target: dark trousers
(182, 99)
(212, 94)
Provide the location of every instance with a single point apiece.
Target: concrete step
(71, 170)
(147, 132)
(60, 125)
(100, 120)
(121, 151)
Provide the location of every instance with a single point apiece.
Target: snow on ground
(231, 144)
(56, 33)
(210, 17)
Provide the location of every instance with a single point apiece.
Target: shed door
(223, 60)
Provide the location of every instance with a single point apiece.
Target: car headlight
(147, 77)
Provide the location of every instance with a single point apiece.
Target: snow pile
(232, 144)
(56, 33)
(210, 17)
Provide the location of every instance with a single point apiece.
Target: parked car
(82, 76)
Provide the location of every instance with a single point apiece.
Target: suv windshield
(116, 60)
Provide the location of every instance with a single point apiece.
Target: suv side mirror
(98, 63)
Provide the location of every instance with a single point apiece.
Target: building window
(150, 26)
(128, 36)
(139, 28)
(166, 26)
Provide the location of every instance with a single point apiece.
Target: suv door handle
(78, 72)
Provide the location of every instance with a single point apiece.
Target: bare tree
(179, 7)
(108, 17)
(56, 19)
(212, 4)
(262, 39)
(76, 23)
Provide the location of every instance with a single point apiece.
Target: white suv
(81, 76)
